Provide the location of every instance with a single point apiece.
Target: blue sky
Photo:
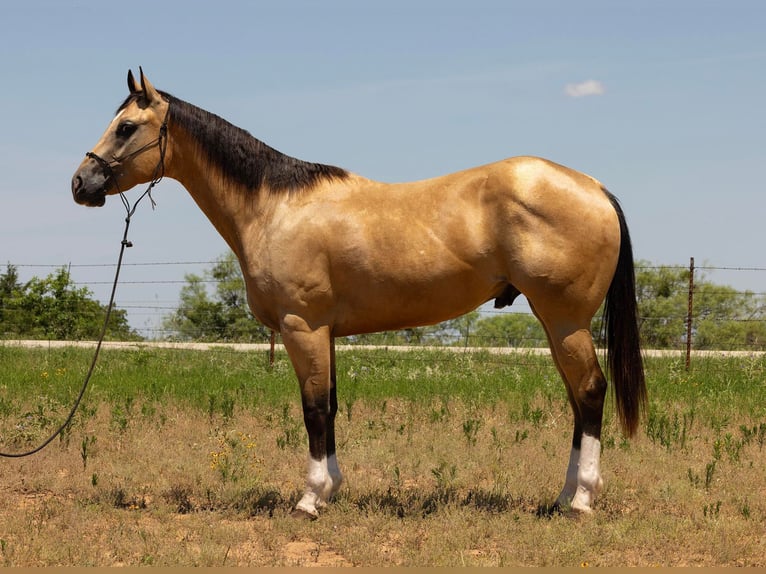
(663, 101)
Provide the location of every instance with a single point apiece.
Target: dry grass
(445, 482)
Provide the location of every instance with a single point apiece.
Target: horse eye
(125, 129)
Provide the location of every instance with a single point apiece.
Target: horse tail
(623, 356)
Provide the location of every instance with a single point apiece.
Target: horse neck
(228, 207)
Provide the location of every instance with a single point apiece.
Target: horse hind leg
(336, 477)
(575, 357)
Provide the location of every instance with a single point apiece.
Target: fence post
(689, 314)
(272, 341)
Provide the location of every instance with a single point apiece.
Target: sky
(662, 101)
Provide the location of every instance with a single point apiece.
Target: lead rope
(159, 172)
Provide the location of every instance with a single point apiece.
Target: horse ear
(150, 93)
(132, 83)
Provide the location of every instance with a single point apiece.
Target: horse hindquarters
(574, 354)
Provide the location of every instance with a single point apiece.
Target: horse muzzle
(88, 194)
(90, 184)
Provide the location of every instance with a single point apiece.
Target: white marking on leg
(336, 477)
(589, 481)
(570, 485)
(319, 485)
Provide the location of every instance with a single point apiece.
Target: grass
(196, 458)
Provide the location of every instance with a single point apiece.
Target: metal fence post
(689, 314)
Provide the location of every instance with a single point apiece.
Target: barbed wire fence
(149, 293)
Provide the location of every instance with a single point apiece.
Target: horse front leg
(312, 354)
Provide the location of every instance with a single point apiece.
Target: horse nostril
(76, 183)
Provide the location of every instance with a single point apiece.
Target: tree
(510, 330)
(723, 318)
(220, 316)
(662, 294)
(10, 290)
(53, 308)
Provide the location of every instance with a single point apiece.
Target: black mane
(241, 157)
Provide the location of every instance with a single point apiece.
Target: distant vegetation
(54, 308)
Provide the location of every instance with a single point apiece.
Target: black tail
(622, 339)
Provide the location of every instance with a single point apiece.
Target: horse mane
(240, 157)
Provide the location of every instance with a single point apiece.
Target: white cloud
(584, 89)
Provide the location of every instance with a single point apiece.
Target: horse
(327, 253)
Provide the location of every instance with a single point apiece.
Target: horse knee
(592, 391)
(590, 403)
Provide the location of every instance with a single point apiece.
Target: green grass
(220, 379)
(195, 458)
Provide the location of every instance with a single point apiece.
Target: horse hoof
(549, 510)
(303, 514)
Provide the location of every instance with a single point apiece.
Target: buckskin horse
(327, 253)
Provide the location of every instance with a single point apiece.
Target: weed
(470, 430)
(732, 447)
(117, 497)
(756, 432)
(227, 407)
(86, 448)
(148, 410)
(119, 418)
(709, 472)
(291, 430)
(6, 407)
(180, 496)
(438, 415)
(211, 402)
(235, 457)
(397, 477)
(534, 416)
(349, 402)
(711, 510)
(694, 478)
(444, 474)
(667, 431)
(121, 414)
(719, 421)
(717, 444)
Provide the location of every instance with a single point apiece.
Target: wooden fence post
(272, 341)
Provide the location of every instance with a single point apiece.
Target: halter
(159, 171)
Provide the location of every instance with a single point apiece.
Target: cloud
(584, 89)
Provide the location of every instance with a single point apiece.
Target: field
(196, 458)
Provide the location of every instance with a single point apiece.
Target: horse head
(132, 149)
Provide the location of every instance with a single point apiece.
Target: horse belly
(414, 296)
